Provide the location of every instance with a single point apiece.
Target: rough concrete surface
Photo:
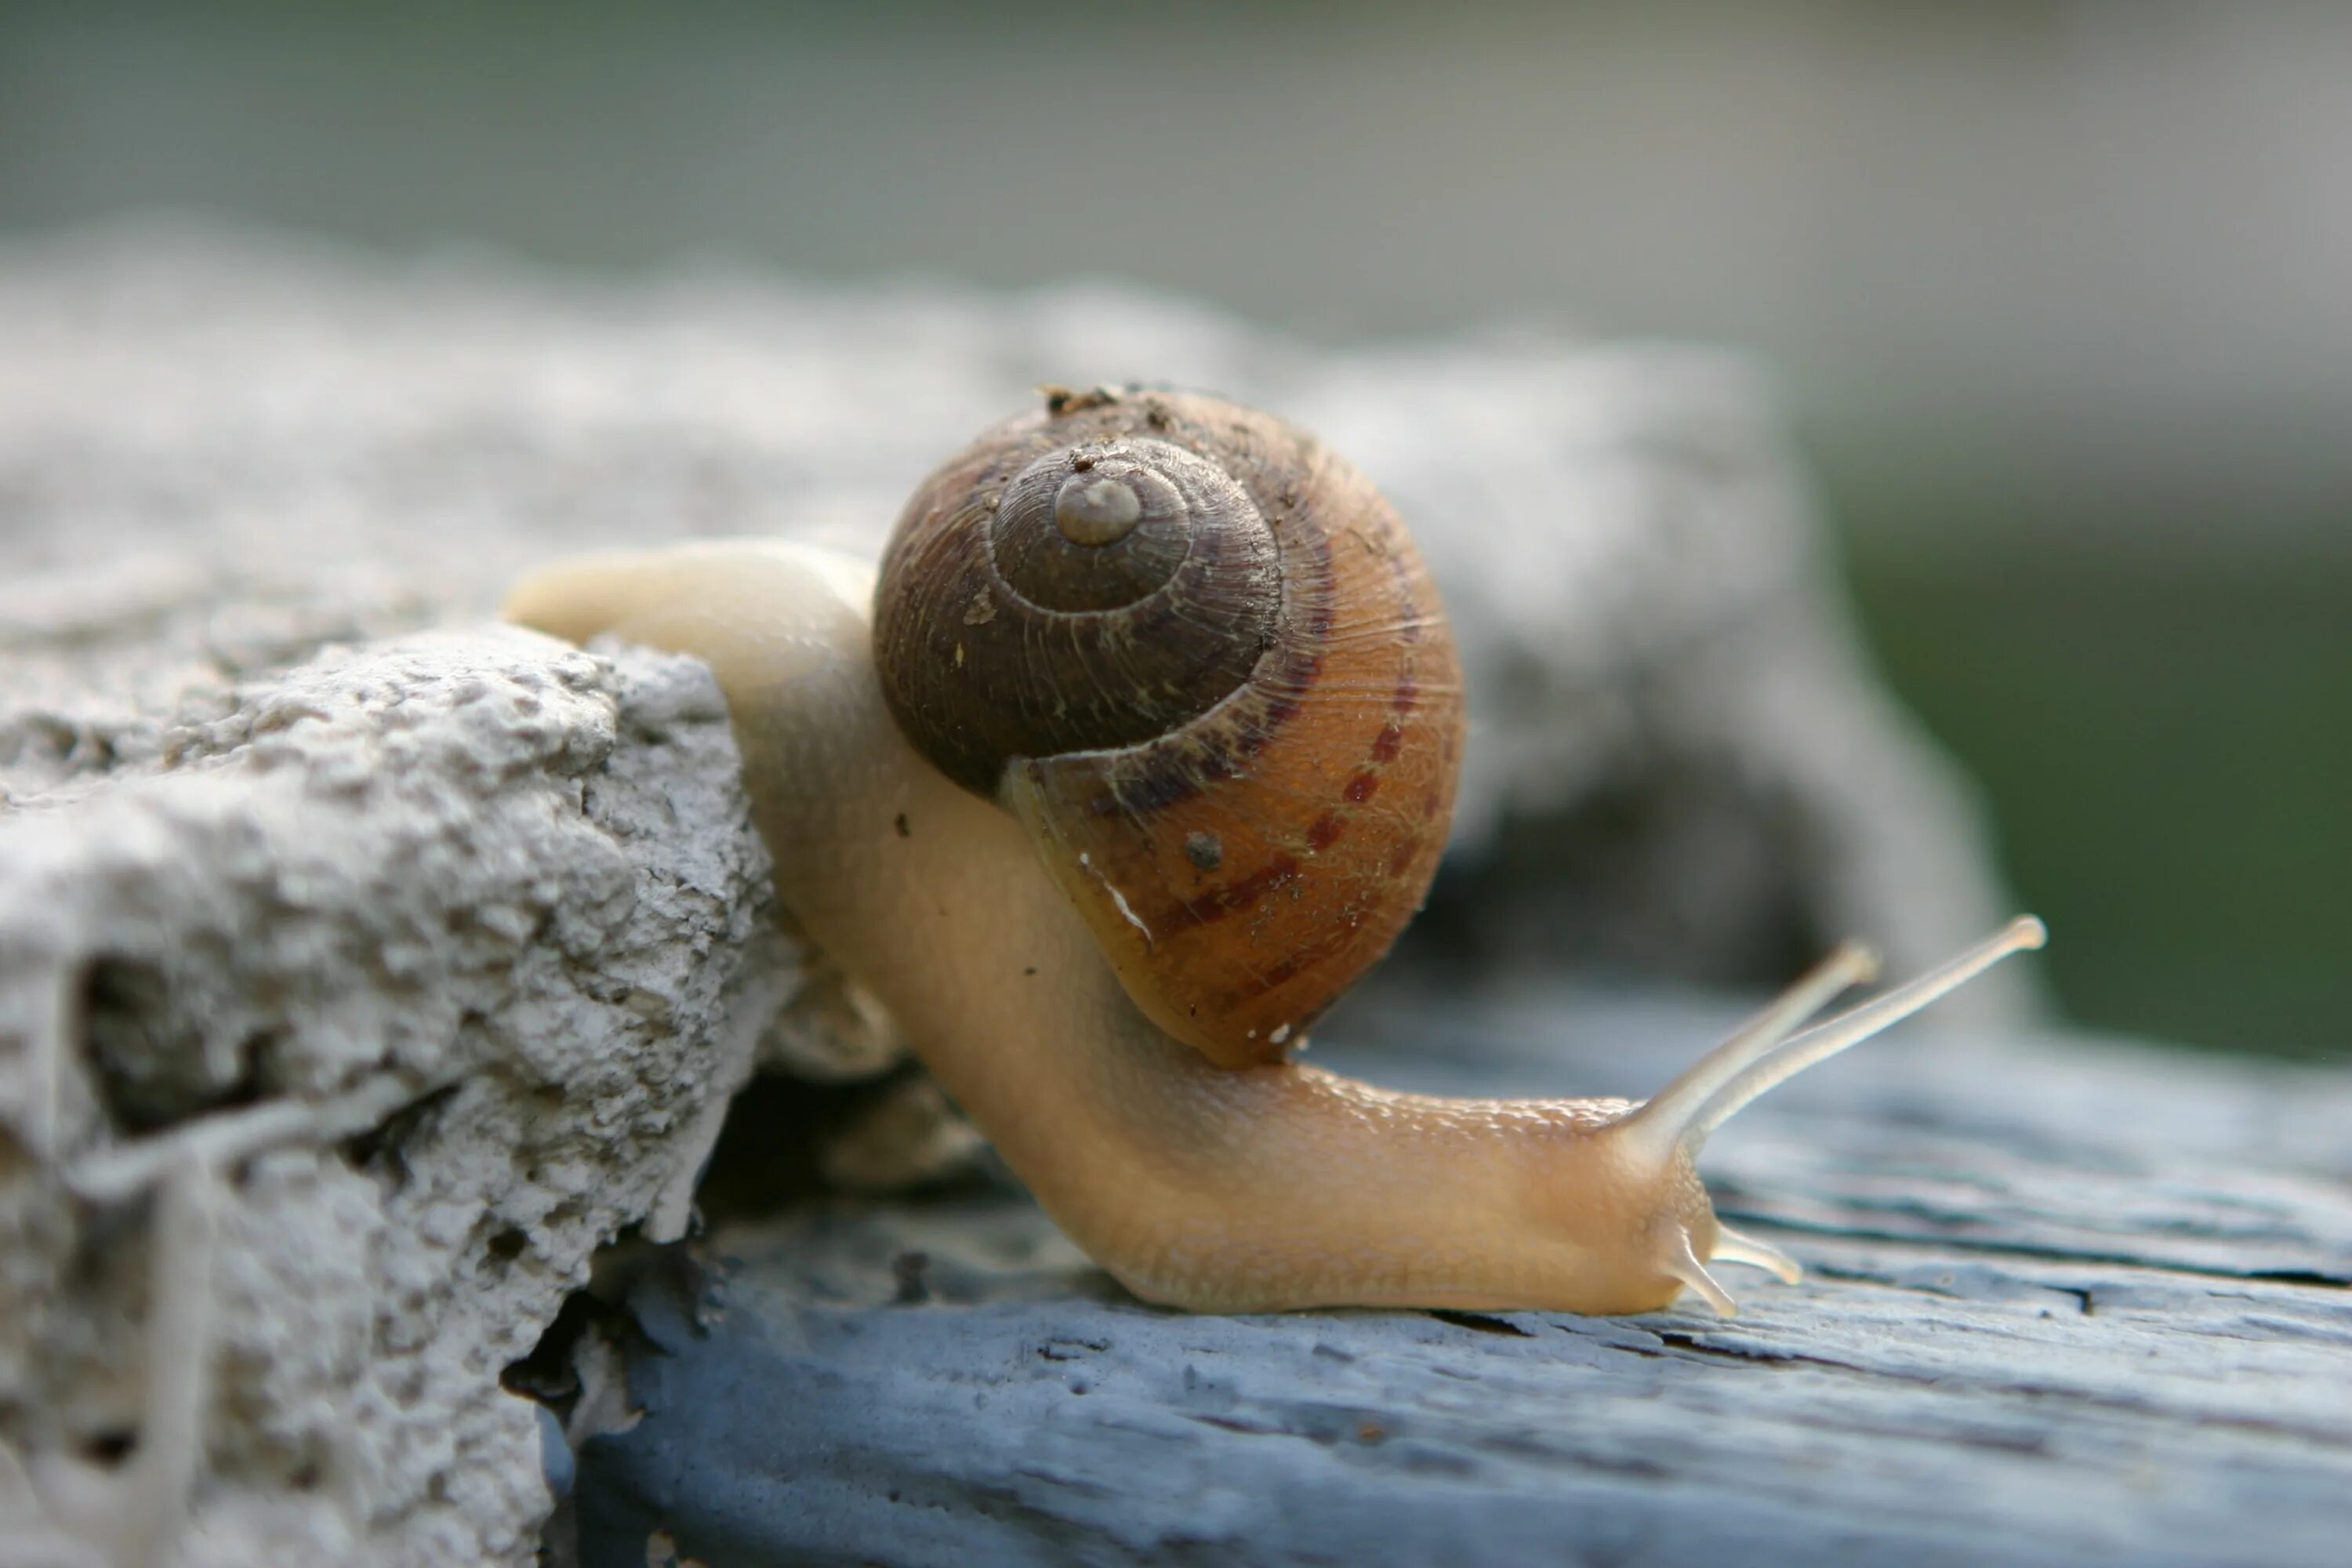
(364, 966)
(402, 971)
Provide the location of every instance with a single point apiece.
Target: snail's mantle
(365, 967)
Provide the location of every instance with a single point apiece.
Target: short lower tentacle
(1733, 1247)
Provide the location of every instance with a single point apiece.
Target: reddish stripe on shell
(1214, 904)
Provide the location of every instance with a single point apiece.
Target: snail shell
(1196, 654)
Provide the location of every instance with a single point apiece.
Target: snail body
(1100, 994)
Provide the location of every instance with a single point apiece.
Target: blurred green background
(2061, 296)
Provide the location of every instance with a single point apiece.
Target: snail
(1145, 748)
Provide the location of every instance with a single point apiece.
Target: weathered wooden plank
(2069, 1304)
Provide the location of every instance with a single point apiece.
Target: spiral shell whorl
(1197, 656)
(1098, 527)
(1062, 586)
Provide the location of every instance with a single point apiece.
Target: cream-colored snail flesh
(1145, 749)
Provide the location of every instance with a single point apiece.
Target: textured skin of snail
(1196, 1183)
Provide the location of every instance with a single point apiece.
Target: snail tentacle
(1736, 1247)
(1660, 1124)
(1689, 1121)
(1680, 1261)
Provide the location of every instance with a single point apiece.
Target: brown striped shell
(1197, 655)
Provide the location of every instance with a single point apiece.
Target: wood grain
(2069, 1303)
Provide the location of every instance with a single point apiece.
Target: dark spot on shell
(1362, 787)
(899, 822)
(1326, 831)
(1408, 694)
(1390, 741)
(1205, 851)
(1031, 971)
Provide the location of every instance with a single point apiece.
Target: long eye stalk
(1764, 1053)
